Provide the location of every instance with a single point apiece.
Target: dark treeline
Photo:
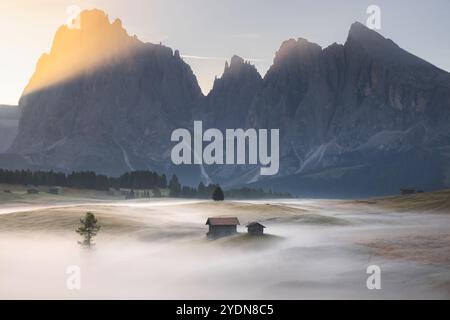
(249, 193)
(84, 179)
(205, 192)
(202, 191)
(136, 180)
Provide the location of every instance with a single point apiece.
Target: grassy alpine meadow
(157, 248)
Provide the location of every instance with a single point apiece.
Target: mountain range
(360, 118)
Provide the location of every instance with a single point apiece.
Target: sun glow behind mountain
(250, 29)
(82, 49)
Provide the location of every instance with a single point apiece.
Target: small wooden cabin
(255, 229)
(55, 190)
(32, 189)
(222, 227)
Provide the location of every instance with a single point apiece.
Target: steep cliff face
(347, 110)
(352, 91)
(114, 112)
(228, 103)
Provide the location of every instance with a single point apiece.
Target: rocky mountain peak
(238, 68)
(87, 46)
(370, 40)
(236, 61)
(103, 94)
(360, 32)
(232, 94)
(382, 49)
(292, 52)
(236, 64)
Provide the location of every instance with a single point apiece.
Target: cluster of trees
(32, 177)
(142, 180)
(202, 191)
(85, 179)
(213, 190)
(136, 180)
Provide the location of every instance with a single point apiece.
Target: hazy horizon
(207, 34)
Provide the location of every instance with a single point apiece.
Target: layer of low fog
(158, 250)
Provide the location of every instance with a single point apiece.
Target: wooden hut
(255, 229)
(222, 227)
(32, 189)
(55, 190)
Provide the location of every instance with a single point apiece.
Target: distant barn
(222, 227)
(32, 189)
(55, 190)
(255, 229)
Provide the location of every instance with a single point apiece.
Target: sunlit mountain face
(92, 42)
(104, 100)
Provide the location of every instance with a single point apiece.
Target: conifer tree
(88, 229)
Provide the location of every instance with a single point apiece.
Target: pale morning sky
(209, 31)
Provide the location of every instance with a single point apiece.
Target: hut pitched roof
(223, 221)
(254, 223)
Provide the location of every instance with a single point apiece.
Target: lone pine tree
(88, 229)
